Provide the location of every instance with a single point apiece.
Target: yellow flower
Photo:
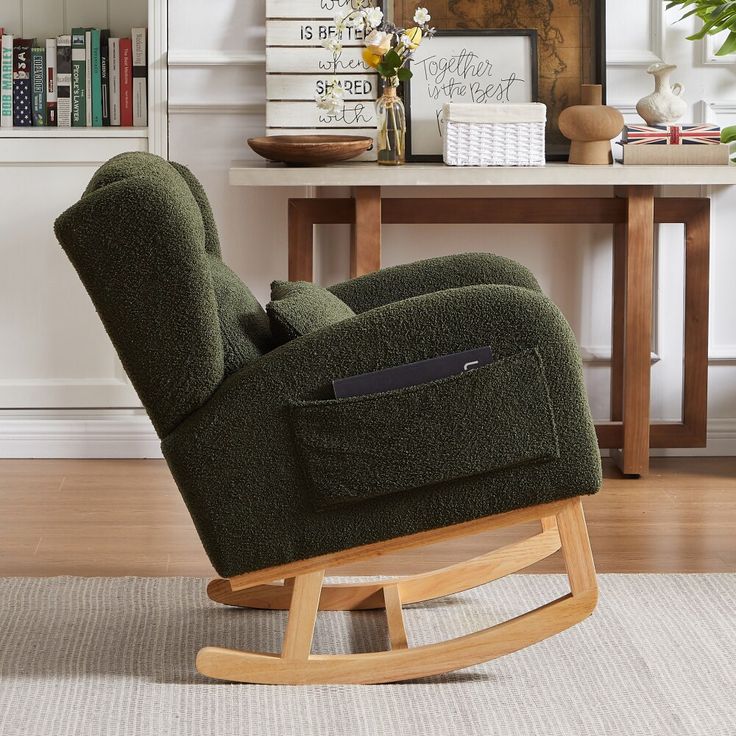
(373, 60)
(415, 37)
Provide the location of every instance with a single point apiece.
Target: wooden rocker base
(303, 594)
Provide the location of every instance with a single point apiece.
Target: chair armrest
(431, 275)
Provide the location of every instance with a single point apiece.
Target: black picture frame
(475, 32)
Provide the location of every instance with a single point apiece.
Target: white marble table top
(263, 174)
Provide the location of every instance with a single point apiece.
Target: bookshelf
(48, 18)
(80, 133)
(60, 359)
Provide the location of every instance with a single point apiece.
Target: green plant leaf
(385, 70)
(392, 58)
(404, 74)
(728, 135)
(717, 16)
(729, 45)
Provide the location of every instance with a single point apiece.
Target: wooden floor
(125, 517)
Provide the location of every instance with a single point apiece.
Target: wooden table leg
(301, 242)
(617, 326)
(639, 275)
(697, 285)
(365, 245)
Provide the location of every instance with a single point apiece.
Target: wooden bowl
(310, 150)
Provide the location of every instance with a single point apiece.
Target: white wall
(217, 94)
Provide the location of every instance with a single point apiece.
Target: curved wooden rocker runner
(303, 594)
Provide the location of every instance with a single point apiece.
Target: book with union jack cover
(672, 135)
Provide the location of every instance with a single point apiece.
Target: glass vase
(391, 122)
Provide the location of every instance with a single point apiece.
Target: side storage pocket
(485, 420)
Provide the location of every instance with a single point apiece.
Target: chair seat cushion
(299, 307)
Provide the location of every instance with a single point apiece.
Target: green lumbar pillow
(299, 307)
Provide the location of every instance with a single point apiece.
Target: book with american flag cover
(672, 135)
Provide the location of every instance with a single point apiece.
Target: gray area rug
(106, 656)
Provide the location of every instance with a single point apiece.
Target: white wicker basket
(494, 135)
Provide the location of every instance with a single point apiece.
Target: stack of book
(83, 79)
(663, 145)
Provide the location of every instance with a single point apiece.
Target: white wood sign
(301, 86)
(283, 60)
(307, 115)
(309, 33)
(298, 67)
(305, 8)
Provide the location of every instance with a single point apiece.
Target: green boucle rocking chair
(283, 480)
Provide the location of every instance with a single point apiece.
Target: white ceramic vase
(665, 105)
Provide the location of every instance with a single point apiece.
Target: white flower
(422, 16)
(355, 19)
(378, 42)
(333, 45)
(335, 88)
(373, 17)
(340, 19)
(329, 103)
(332, 100)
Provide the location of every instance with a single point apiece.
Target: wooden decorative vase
(591, 126)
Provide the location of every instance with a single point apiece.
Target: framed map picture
(570, 37)
(472, 66)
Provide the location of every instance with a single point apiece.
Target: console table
(622, 196)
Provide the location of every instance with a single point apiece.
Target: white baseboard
(77, 434)
(120, 434)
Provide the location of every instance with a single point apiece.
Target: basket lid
(509, 112)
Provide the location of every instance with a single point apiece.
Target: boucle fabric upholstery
(272, 468)
(436, 274)
(299, 307)
(237, 465)
(488, 419)
(245, 328)
(144, 243)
